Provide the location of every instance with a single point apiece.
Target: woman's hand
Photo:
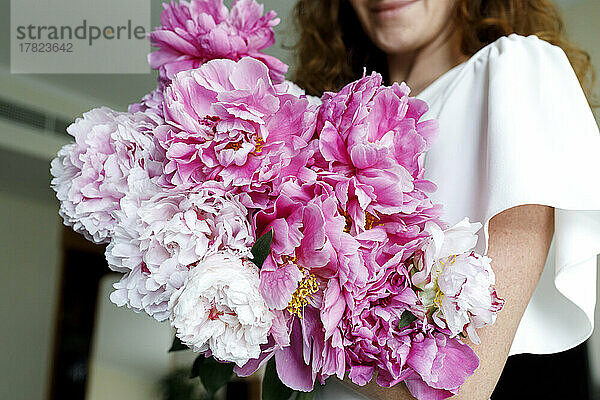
(519, 239)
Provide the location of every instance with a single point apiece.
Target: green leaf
(406, 319)
(212, 373)
(261, 248)
(305, 395)
(177, 345)
(272, 387)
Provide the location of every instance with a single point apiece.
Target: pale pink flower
(90, 175)
(150, 103)
(135, 291)
(457, 284)
(162, 238)
(122, 252)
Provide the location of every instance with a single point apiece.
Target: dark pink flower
(308, 231)
(372, 145)
(374, 341)
(228, 122)
(440, 364)
(195, 32)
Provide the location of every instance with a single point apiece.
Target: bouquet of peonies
(272, 227)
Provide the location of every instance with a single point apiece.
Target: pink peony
(440, 364)
(313, 264)
(308, 232)
(195, 32)
(90, 175)
(229, 123)
(372, 145)
(310, 355)
(375, 343)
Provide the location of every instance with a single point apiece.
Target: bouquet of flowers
(272, 227)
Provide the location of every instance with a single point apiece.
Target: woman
(517, 150)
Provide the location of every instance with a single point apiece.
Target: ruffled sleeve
(515, 129)
(543, 147)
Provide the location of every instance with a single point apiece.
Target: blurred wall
(29, 265)
(109, 383)
(30, 238)
(581, 20)
(129, 351)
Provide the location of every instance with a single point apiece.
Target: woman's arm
(519, 241)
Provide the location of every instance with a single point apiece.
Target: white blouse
(515, 128)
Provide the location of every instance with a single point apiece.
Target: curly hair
(332, 48)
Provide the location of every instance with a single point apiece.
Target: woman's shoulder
(519, 91)
(531, 75)
(520, 51)
(514, 65)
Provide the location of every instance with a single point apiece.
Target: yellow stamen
(259, 145)
(238, 145)
(348, 219)
(307, 287)
(371, 221)
(439, 295)
(288, 259)
(234, 145)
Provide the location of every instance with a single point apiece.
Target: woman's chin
(395, 41)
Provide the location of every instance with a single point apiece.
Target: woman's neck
(419, 68)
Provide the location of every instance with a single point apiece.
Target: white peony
(220, 309)
(469, 300)
(443, 243)
(457, 285)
